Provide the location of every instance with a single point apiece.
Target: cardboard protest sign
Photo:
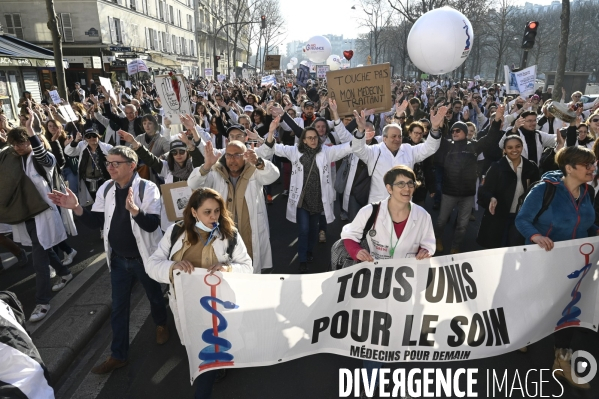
(175, 196)
(135, 66)
(366, 87)
(321, 71)
(208, 72)
(245, 73)
(272, 62)
(174, 96)
(55, 97)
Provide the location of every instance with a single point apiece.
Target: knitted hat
(462, 126)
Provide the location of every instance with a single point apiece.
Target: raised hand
(188, 121)
(250, 156)
(360, 120)
(183, 137)
(438, 118)
(211, 156)
(78, 137)
(126, 136)
(466, 114)
(401, 108)
(130, 203)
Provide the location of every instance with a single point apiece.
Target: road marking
(9, 260)
(92, 384)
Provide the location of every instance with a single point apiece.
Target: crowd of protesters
(463, 145)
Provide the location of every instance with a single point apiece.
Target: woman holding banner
(207, 239)
(570, 215)
(401, 229)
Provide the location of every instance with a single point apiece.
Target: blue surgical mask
(205, 228)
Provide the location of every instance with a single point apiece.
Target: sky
(307, 18)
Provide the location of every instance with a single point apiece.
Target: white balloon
(334, 62)
(293, 61)
(359, 65)
(318, 49)
(290, 66)
(440, 40)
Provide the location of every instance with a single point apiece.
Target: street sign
(120, 49)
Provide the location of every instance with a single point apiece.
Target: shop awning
(17, 52)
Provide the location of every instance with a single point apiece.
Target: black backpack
(178, 230)
(340, 259)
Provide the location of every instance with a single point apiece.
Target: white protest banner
(268, 80)
(521, 82)
(174, 96)
(208, 72)
(321, 71)
(245, 74)
(55, 97)
(127, 84)
(312, 67)
(221, 78)
(135, 66)
(466, 306)
(233, 75)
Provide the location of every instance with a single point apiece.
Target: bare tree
(377, 17)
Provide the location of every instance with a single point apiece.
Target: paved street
(162, 371)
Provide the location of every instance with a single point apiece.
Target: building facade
(99, 36)
(218, 23)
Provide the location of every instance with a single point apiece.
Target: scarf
(182, 172)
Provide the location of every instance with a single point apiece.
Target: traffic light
(530, 32)
(263, 20)
(216, 59)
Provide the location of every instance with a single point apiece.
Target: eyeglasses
(456, 130)
(311, 138)
(417, 132)
(588, 166)
(115, 164)
(399, 118)
(233, 156)
(403, 184)
(178, 152)
(90, 135)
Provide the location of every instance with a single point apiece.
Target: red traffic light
(532, 25)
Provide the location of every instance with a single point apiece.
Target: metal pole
(524, 59)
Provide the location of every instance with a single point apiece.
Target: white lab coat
(408, 155)
(167, 176)
(159, 264)
(48, 224)
(322, 165)
(418, 233)
(84, 196)
(254, 197)
(146, 242)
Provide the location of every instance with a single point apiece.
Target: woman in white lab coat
(401, 229)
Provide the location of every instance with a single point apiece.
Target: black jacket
(500, 183)
(459, 162)
(123, 122)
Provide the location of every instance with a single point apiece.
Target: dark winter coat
(459, 162)
(500, 183)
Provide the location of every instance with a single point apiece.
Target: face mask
(205, 228)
